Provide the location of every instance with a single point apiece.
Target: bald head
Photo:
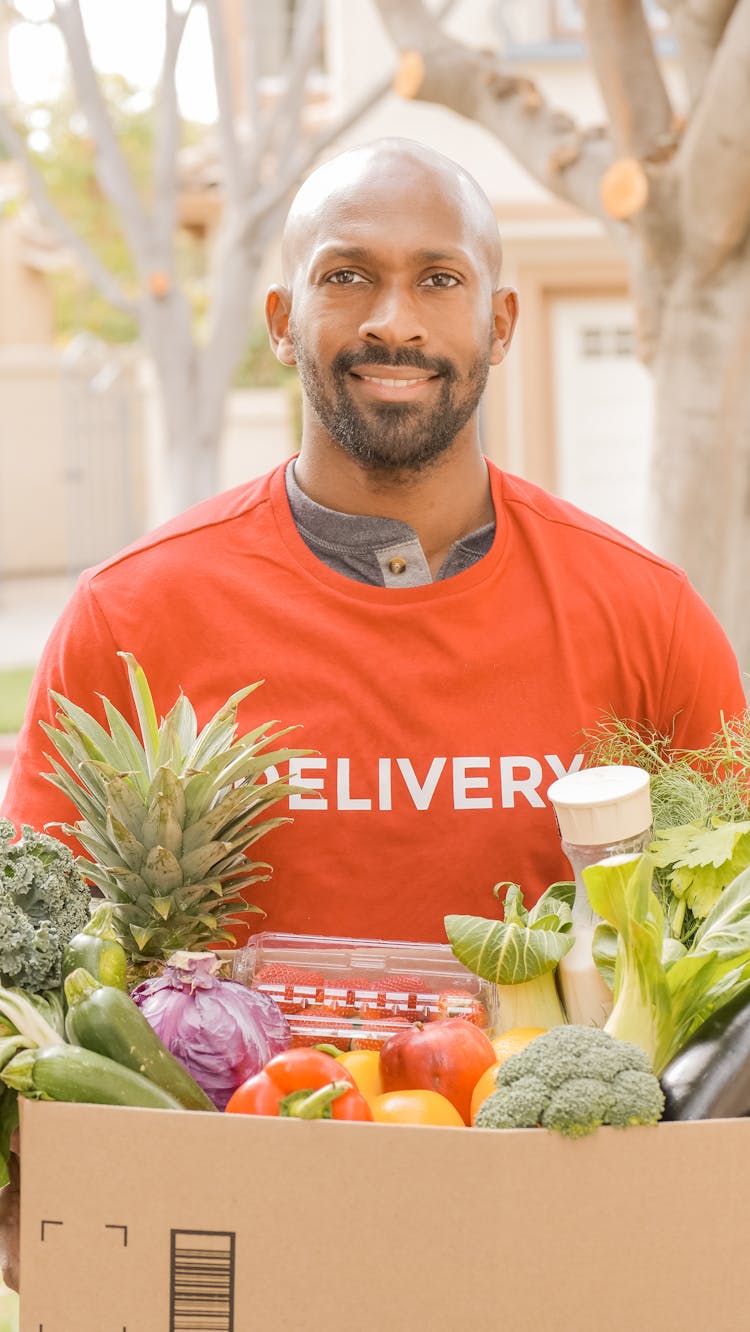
(387, 176)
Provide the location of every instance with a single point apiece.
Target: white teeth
(392, 383)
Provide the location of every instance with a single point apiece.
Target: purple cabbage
(220, 1030)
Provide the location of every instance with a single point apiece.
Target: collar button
(397, 565)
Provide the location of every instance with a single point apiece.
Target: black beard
(392, 436)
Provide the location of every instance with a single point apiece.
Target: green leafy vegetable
(519, 953)
(44, 901)
(700, 862)
(701, 810)
(661, 999)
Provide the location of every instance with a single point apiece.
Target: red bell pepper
(303, 1084)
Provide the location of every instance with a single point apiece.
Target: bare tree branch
(716, 149)
(50, 214)
(268, 198)
(622, 52)
(167, 141)
(230, 155)
(566, 158)
(251, 69)
(287, 124)
(112, 169)
(698, 27)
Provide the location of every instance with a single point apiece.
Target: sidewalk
(28, 610)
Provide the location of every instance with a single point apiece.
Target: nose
(393, 317)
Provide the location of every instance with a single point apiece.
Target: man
(443, 632)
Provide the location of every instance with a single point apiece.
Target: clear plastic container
(355, 993)
(601, 813)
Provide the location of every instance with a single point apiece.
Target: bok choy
(519, 953)
(662, 995)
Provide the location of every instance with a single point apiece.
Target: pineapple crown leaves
(167, 815)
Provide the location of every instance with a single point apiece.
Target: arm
(703, 682)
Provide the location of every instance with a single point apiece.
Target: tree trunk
(701, 493)
(191, 451)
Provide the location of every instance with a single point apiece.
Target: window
(610, 340)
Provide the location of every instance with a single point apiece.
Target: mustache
(402, 356)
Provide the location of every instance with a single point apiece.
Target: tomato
(364, 1066)
(448, 1056)
(415, 1107)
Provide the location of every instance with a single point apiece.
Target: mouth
(393, 387)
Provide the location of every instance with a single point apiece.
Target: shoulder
(570, 529)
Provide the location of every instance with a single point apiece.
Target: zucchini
(103, 1019)
(98, 949)
(709, 1078)
(70, 1073)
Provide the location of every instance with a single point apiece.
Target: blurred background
(148, 152)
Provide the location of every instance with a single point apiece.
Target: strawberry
(319, 1024)
(283, 973)
(405, 984)
(373, 1027)
(459, 1004)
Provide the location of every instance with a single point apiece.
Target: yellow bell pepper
(364, 1066)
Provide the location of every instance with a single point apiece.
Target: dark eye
(345, 277)
(441, 280)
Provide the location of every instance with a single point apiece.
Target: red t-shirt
(440, 714)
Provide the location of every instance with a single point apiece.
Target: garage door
(602, 412)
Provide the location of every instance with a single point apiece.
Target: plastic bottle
(601, 813)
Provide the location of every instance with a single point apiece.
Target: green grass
(14, 691)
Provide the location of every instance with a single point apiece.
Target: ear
(278, 309)
(505, 311)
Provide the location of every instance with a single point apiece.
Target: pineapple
(167, 816)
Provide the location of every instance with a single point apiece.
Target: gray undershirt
(383, 552)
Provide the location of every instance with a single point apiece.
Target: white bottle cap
(599, 806)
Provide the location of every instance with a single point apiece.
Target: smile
(395, 383)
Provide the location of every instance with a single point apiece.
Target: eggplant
(709, 1078)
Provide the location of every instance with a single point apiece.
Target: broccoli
(44, 901)
(573, 1079)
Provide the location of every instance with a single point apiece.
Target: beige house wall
(552, 254)
(81, 467)
(71, 462)
(26, 314)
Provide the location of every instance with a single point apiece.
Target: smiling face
(392, 313)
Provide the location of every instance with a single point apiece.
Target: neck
(442, 503)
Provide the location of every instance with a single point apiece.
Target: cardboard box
(155, 1221)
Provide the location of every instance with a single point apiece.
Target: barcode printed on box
(202, 1281)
